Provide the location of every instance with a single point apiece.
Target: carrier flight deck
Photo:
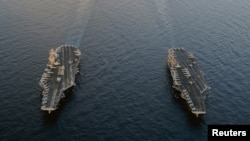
(188, 79)
(59, 75)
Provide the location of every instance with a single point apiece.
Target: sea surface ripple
(124, 90)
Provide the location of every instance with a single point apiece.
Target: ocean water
(123, 91)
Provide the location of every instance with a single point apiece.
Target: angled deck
(188, 79)
(59, 75)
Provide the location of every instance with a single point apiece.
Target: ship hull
(187, 79)
(59, 75)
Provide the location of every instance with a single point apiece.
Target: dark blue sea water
(124, 91)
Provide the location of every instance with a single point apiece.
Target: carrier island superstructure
(188, 79)
(59, 75)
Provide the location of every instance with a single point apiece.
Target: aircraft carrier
(59, 75)
(188, 79)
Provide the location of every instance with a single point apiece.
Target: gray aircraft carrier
(188, 79)
(59, 75)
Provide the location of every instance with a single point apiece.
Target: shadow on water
(192, 119)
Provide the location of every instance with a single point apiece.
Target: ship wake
(78, 23)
